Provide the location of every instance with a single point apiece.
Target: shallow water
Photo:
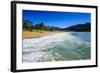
(58, 47)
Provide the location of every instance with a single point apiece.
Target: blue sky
(58, 19)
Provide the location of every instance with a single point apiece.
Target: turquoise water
(58, 47)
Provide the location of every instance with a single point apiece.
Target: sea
(65, 46)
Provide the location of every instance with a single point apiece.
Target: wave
(57, 47)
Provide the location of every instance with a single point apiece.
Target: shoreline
(29, 35)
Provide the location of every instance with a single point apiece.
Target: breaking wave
(58, 47)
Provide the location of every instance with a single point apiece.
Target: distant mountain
(79, 27)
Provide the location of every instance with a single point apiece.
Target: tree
(40, 26)
(27, 25)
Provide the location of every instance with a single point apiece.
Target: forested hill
(79, 27)
(27, 25)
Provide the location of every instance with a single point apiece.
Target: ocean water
(64, 46)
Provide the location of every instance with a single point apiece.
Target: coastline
(28, 34)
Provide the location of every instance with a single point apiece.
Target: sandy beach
(28, 34)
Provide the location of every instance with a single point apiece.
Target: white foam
(39, 47)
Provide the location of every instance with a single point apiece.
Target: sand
(28, 34)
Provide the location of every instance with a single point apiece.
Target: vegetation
(79, 27)
(29, 26)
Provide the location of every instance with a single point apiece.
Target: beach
(28, 34)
